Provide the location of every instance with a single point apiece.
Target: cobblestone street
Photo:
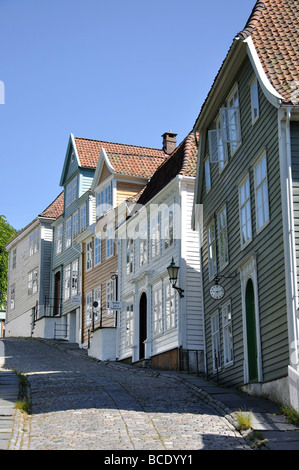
(81, 404)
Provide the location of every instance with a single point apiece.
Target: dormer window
(71, 191)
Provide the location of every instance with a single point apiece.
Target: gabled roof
(55, 209)
(123, 159)
(182, 161)
(274, 29)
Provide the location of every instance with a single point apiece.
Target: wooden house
(247, 189)
(29, 271)
(159, 325)
(122, 171)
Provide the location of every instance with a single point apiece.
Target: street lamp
(173, 277)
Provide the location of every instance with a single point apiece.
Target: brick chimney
(169, 142)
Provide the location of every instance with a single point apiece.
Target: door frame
(248, 270)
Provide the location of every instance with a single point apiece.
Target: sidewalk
(9, 390)
(269, 430)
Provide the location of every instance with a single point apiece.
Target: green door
(251, 333)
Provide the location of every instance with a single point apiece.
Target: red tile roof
(182, 161)
(55, 209)
(274, 28)
(125, 159)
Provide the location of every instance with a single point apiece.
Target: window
(168, 226)
(143, 245)
(230, 121)
(109, 242)
(110, 295)
(227, 334)
(88, 308)
(216, 341)
(75, 276)
(59, 232)
(97, 250)
(12, 297)
(155, 235)
(129, 325)
(254, 100)
(217, 146)
(83, 218)
(104, 201)
(261, 193)
(71, 191)
(207, 174)
(14, 258)
(130, 255)
(245, 212)
(34, 242)
(212, 260)
(157, 310)
(67, 282)
(88, 255)
(33, 282)
(97, 297)
(75, 224)
(222, 238)
(169, 307)
(68, 237)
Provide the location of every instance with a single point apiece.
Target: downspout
(284, 117)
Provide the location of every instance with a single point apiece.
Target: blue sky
(120, 71)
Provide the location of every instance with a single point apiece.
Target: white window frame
(75, 277)
(104, 200)
(208, 175)
(89, 255)
(110, 296)
(212, 249)
(170, 306)
(71, 191)
(230, 121)
(129, 325)
(97, 297)
(222, 233)
(254, 98)
(67, 282)
(216, 344)
(261, 190)
(12, 297)
(227, 331)
(59, 237)
(97, 250)
(34, 242)
(68, 232)
(143, 245)
(32, 282)
(75, 223)
(155, 235)
(83, 222)
(109, 241)
(168, 229)
(88, 308)
(157, 310)
(129, 256)
(245, 212)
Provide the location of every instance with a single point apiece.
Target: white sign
(115, 305)
(76, 299)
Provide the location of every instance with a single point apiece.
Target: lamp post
(173, 277)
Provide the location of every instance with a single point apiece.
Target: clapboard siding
(268, 244)
(295, 183)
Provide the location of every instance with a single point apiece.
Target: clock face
(217, 292)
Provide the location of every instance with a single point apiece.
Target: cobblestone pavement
(80, 404)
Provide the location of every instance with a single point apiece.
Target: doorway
(142, 324)
(252, 355)
(57, 285)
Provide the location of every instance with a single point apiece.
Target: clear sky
(113, 70)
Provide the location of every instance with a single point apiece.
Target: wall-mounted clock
(217, 292)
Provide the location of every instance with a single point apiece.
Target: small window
(75, 224)
(89, 255)
(245, 212)
(12, 297)
(67, 282)
(211, 239)
(71, 191)
(227, 334)
(261, 193)
(68, 235)
(75, 275)
(254, 100)
(109, 242)
(222, 238)
(59, 232)
(97, 250)
(88, 308)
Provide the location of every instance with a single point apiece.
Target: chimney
(169, 142)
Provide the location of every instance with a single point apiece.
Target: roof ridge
(118, 143)
(252, 20)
